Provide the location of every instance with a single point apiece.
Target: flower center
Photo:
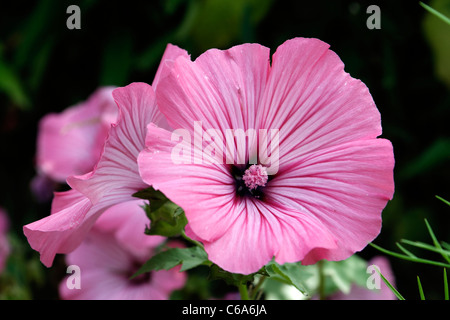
(250, 181)
(255, 176)
(140, 279)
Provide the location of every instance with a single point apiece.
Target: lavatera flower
(270, 158)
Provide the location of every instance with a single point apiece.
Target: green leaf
(289, 273)
(345, 273)
(40, 62)
(436, 32)
(235, 279)
(156, 197)
(166, 218)
(36, 26)
(188, 258)
(11, 85)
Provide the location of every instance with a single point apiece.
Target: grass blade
(390, 286)
(436, 242)
(443, 200)
(445, 245)
(405, 257)
(435, 12)
(422, 296)
(446, 295)
(407, 252)
(425, 246)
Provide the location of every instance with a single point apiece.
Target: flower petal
(65, 229)
(170, 54)
(315, 104)
(117, 167)
(55, 233)
(85, 125)
(346, 187)
(261, 232)
(127, 220)
(221, 88)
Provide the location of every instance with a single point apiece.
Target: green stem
(321, 280)
(257, 287)
(243, 290)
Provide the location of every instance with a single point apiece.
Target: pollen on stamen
(255, 176)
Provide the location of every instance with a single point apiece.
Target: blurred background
(45, 67)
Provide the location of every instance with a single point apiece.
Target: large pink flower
(114, 179)
(71, 142)
(319, 192)
(112, 252)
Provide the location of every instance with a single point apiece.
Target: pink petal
(5, 248)
(166, 281)
(221, 88)
(70, 143)
(127, 220)
(261, 232)
(317, 104)
(117, 167)
(170, 54)
(65, 229)
(57, 233)
(346, 187)
(103, 265)
(95, 285)
(106, 266)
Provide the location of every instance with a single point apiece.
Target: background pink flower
(112, 252)
(4, 242)
(71, 142)
(334, 176)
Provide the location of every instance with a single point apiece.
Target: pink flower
(71, 142)
(114, 249)
(4, 242)
(329, 177)
(114, 179)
